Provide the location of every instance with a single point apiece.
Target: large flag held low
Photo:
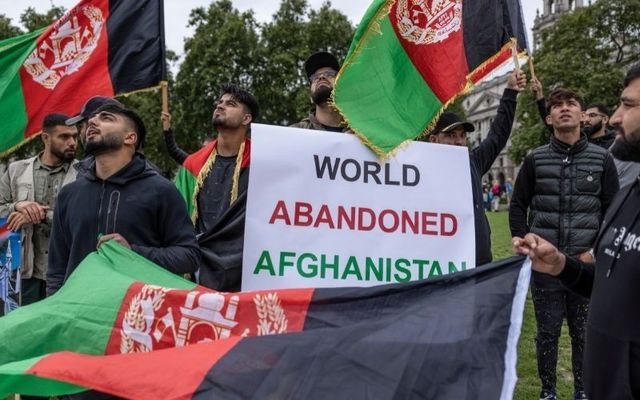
(99, 47)
(409, 59)
(147, 334)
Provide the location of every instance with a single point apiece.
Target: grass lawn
(528, 386)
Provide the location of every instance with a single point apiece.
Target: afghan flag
(410, 59)
(197, 166)
(125, 326)
(99, 47)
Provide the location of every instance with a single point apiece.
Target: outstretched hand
(544, 256)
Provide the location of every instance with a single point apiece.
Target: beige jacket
(17, 185)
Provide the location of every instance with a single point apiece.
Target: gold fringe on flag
(204, 172)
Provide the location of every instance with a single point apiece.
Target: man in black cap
(119, 198)
(452, 130)
(321, 69)
(89, 107)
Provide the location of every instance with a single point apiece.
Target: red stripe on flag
(69, 64)
(194, 162)
(185, 368)
(502, 57)
(435, 44)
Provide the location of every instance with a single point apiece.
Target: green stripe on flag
(14, 380)
(81, 315)
(380, 90)
(13, 113)
(186, 184)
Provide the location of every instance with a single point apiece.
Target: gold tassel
(235, 181)
(204, 172)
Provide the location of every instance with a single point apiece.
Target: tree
(588, 51)
(7, 29)
(295, 33)
(32, 20)
(223, 49)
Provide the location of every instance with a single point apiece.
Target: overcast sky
(177, 12)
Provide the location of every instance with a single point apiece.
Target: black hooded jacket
(136, 202)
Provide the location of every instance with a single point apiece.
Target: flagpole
(514, 54)
(164, 86)
(533, 71)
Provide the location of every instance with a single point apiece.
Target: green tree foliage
(587, 51)
(223, 49)
(267, 59)
(33, 20)
(295, 33)
(7, 29)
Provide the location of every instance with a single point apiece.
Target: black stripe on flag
(136, 44)
(453, 337)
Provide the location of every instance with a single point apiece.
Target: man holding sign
(452, 130)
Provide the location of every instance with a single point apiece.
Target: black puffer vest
(566, 208)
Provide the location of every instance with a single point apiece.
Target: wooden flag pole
(533, 71)
(514, 54)
(165, 96)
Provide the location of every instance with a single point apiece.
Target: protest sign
(324, 211)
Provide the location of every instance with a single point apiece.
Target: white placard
(322, 211)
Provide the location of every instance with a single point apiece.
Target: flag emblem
(68, 46)
(428, 21)
(156, 318)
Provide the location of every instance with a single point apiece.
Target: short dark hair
(632, 74)
(601, 107)
(243, 97)
(131, 116)
(562, 94)
(50, 121)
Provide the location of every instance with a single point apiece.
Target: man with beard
(612, 350)
(87, 110)
(221, 169)
(562, 191)
(595, 125)
(28, 193)
(321, 69)
(119, 198)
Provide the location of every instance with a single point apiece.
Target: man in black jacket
(119, 198)
(565, 187)
(451, 130)
(612, 352)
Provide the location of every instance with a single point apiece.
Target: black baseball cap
(319, 60)
(132, 115)
(449, 121)
(90, 107)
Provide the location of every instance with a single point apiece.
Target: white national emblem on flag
(154, 320)
(69, 45)
(428, 21)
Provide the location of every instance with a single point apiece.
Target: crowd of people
(566, 209)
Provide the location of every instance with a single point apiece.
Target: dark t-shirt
(215, 195)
